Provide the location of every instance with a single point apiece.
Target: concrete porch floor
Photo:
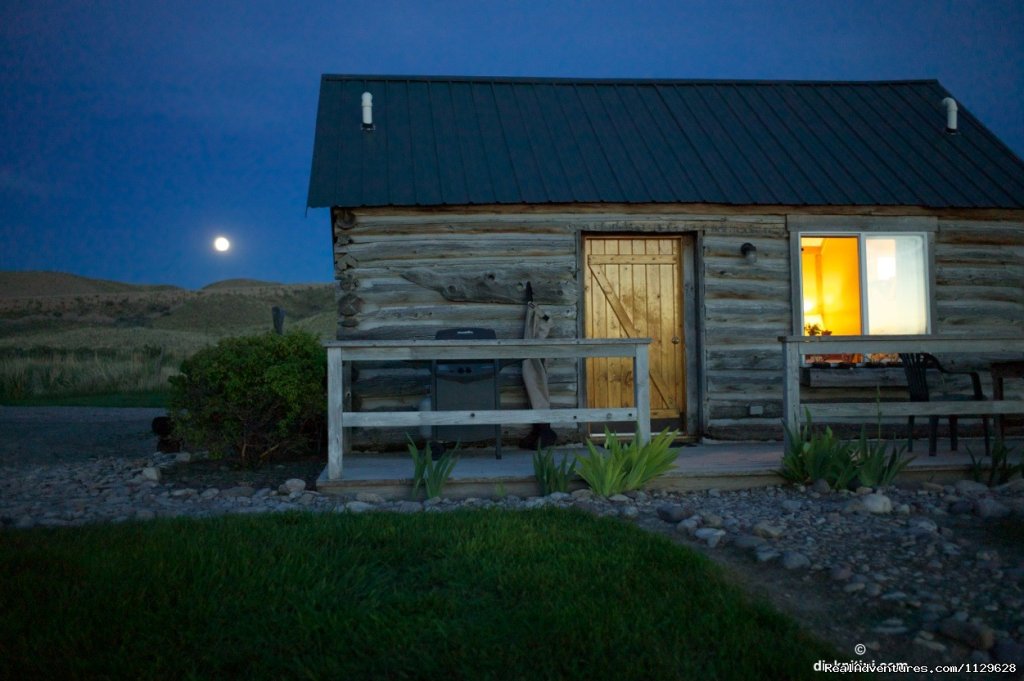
(707, 465)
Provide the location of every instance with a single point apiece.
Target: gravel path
(49, 435)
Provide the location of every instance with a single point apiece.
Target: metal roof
(441, 141)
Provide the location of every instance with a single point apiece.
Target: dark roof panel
(463, 141)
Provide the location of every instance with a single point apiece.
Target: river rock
(990, 508)
(673, 513)
(768, 530)
(710, 535)
(292, 485)
(794, 560)
(748, 541)
(358, 507)
(977, 636)
(876, 503)
(970, 488)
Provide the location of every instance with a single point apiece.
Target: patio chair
(916, 366)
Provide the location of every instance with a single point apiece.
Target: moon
(221, 244)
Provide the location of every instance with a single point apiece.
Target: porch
(709, 465)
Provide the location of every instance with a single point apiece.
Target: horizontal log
(464, 314)
(737, 267)
(980, 255)
(770, 410)
(984, 327)
(507, 284)
(971, 292)
(447, 250)
(989, 233)
(392, 328)
(483, 417)
(744, 360)
(982, 308)
(407, 230)
(744, 310)
(774, 290)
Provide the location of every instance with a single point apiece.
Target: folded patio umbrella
(535, 374)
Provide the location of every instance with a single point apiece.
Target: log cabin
(712, 216)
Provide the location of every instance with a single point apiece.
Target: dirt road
(47, 435)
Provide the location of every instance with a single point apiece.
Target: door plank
(629, 328)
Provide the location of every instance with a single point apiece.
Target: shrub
(552, 477)
(253, 397)
(626, 467)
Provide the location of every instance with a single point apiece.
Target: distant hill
(38, 284)
(61, 334)
(239, 283)
(38, 305)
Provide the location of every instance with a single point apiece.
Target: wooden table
(1000, 371)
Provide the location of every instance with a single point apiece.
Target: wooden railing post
(335, 413)
(642, 391)
(790, 387)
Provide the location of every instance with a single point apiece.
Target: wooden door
(633, 289)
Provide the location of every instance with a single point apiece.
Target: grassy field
(470, 595)
(89, 340)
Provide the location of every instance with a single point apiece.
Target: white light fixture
(367, 111)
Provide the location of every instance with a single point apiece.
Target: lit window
(862, 284)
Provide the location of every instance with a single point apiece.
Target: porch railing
(795, 347)
(340, 352)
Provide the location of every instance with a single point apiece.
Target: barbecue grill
(466, 385)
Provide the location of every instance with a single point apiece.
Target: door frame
(689, 284)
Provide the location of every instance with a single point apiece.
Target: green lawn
(469, 595)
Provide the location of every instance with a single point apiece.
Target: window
(864, 283)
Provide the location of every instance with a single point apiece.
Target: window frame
(859, 226)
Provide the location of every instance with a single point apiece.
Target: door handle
(675, 340)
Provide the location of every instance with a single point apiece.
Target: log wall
(405, 276)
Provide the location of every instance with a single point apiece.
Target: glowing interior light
(886, 268)
(809, 304)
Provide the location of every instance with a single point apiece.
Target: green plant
(252, 397)
(876, 464)
(1000, 470)
(427, 473)
(552, 477)
(819, 455)
(628, 466)
(816, 455)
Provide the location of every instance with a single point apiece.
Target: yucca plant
(552, 477)
(1000, 469)
(876, 465)
(427, 473)
(626, 466)
(817, 455)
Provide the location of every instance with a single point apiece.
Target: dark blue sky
(134, 132)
